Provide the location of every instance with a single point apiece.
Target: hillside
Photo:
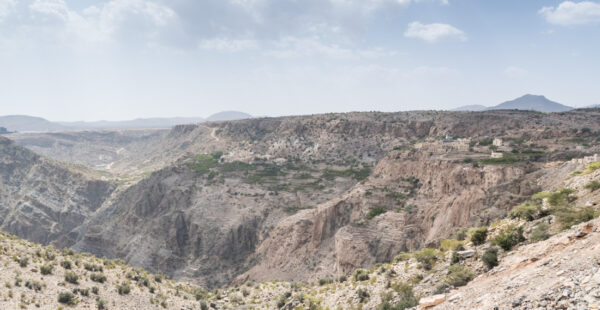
(533, 268)
(306, 197)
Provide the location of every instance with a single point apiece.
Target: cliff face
(41, 200)
(423, 200)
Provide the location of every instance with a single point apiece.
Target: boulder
(466, 253)
(431, 301)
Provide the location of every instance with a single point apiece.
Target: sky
(69, 60)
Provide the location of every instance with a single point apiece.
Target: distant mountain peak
(533, 103)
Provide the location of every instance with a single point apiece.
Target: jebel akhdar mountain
(341, 210)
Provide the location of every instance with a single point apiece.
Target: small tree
(490, 257)
(479, 235)
(508, 237)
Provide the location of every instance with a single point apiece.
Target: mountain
(473, 107)
(532, 102)
(29, 123)
(24, 123)
(228, 116)
(140, 123)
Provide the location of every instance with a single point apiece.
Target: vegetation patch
(427, 257)
(458, 276)
(478, 235)
(593, 186)
(375, 211)
(490, 258)
(508, 237)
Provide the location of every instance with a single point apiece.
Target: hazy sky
(121, 59)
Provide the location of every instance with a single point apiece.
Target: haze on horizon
(68, 60)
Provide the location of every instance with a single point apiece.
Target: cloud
(291, 47)
(572, 13)
(6, 7)
(434, 32)
(514, 72)
(228, 45)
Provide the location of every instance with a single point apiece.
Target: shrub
(66, 298)
(593, 186)
(461, 234)
(360, 275)
(591, 167)
(479, 235)
(66, 264)
(71, 277)
(23, 261)
(325, 281)
(49, 255)
(123, 288)
(362, 295)
(92, 267)
(490, 258)
(100, 304)
(203, 305)
(375, 211)
(569, 217)
(561, 197)
(539, 232)
(451, 245)
(458, 276)
(342, 278)
(95, 290)
(508, 237)
(426, 257)
(33, 285)
(98, 277)
(199, 293)
(406, 297)
(283, 299)
(46, 269)
(526, 211)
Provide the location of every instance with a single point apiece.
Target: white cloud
(290, 47)
(434, 32)
(129, 21)
(228, 45)
(6, 7)
(572, 13)
(515, 72)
